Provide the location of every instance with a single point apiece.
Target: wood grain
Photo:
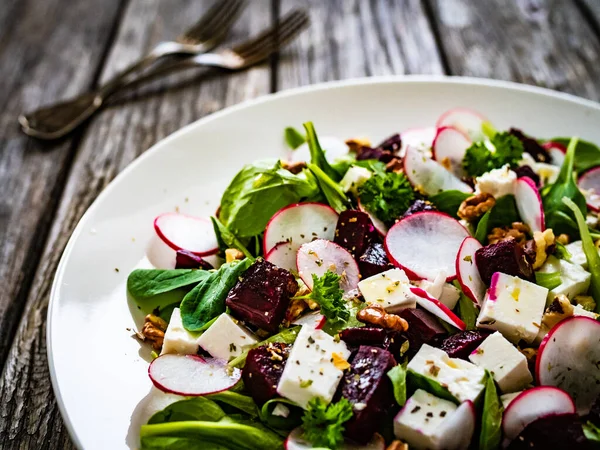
(542, 42)
(28, 411)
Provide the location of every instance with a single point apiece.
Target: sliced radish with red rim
(320, 256)
(459, 428)
(466, 120)
(283, 255)
(313, 320)
(426, 243)
(437, 308)
(568, 358)
(449, 148)
(420, 139)
(192, 375)
(183, 232)
(529, 204)
(380, 227)
(295, 441)
(589, 183)
(556, 151)
(467, 271)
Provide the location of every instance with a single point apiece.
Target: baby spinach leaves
(317, 155)
(490, 435)
(587, 154)
(397, 375)
(293, 138)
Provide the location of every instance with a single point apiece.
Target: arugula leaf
(332, 192)
(549, 280)
(558, 216)
(467, 310)
(317, 155)
(397, 375)
(195, 408)
(590, 250)
(257, 192)
(479, 159)
(293, 420)
(286, 336)
(327, 293)
(293, 138)
(207, 300)
(227, 239)
(587, 154)
(387, 195)
(481, 232)
(449, 201)
(324, 424)
(491, 419)
(239, 401)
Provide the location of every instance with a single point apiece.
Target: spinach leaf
(418, 381)
(293, 138)
(491, 419)
(397, 375)
(286, 336)
(467, 310)
(561, 252)
(207, 300)
(317, 155)
(178, 443)
(556, 212)
(290, 422)
(195, 408)
(591, 431)
(481, 232)
(587, 154)
(549, 280)
(332, 192)
(241, 402)
(342, 164)
(503, 214)
(449, 201)
(227, 239)
(257, 192)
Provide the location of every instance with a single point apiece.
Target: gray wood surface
(56, 48)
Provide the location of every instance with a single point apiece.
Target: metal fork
(57, 120)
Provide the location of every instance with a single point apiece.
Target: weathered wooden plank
(352, 38)
(28, 414)
(591, 10)
(48, 50)
(542, 42)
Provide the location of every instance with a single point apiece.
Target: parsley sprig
(387, 195)
(324, 424)
(479, 159)
(327, 293)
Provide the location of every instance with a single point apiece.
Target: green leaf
(467, 310)
(387, 195)
(327, 293)
(590, 250)
(293, 420)
(449, 201)
(178, 443)
(481, 232)
(491, 419)
(561, 252)
(207, 300)
(549, 280)
(587, 154)
(317, 155)
(336, 198)
(293, 138)
(397, 375)
(418, 381)
(227, 239)
(195, 408)
(342, 164)
(323, 424)
(591, 431)
(239, 401)
(333, 327)
(286, 336)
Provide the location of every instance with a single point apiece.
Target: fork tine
(217, 19)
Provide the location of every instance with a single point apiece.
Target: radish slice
(300, 223)
(449, 148)
(459, 428)
(183, 232)
(295, 441)
(556, 151)
(589, 183)
(467, 271)
(533, 404)
(332, 146)
(192, 375)
(426, 243)
(319, 256)
(466, 120)
(283, 255)
(429, 176)
(314, 320)
(437, 308)
(529, 204)
(420, 139)
(568, 358)
(380, 227)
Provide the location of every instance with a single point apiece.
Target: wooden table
(53, 49)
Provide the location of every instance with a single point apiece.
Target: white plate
(98, 372)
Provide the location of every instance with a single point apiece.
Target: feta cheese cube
(577, 255)
(497, 182)
(226, 338)
(177, 339)
(507, 365)
(514, 307)
(463, 379)
(314, 367)
(505, 399)
(354, 178)
(390, 289)
(574, 279)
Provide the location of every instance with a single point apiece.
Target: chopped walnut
(233, 254)
(395, 165)
(559, 309)
(376, 315)
(153, 331)
(397, 445)
(563, 239)
(517, 231)
(355, 144)
(543, 243)
(476, 206)
(530, 354)
(296, 307)
(294, 167)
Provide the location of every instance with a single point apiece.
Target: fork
(57, 120)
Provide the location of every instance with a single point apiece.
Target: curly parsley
(327, 293)
(324, 424)
(387, 195)
(479, 159)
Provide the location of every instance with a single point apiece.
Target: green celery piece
(549, 280)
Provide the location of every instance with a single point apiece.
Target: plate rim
(297, 91)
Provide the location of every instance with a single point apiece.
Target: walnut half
(476, 206)
(376, 315)
(153, 331)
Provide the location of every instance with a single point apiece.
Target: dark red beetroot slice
(559, 432)
(423, 328)
(506, 257)
(462, 344)
(366, 385)
(373, 261)
(354, 231)
(531, 146)
(262, 296)
(526, 171)
(188, 260)
(376, 337)
(419, 206)
(263, 369)
(392, 144)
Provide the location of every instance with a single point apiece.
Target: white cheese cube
(177, 339)
(577, 255)
(578, 310)
(497, 182)
(226, 339)
(312, 369)
(390, 289)
(505, 399)
(463, 379)
(507, 365)
(575, 280)
(514, 307)
(354, 178)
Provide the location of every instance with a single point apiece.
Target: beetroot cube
(354, 231)
(392, 144)
(188, 260)
(373, 261)
(262, 296)
(376, 337)
(507, 257)
(263, 369)
(366, 385)
(461, 345)
(419, 206)
(423, 328)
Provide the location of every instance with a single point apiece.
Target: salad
(439, 290)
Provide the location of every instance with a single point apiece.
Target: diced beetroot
(374, 153)
(418, 206)
(377, 337)
(556, 432)
(263, 369)
(423, 328)
(526, 171)
(262, 296)
(506, 257)
(188, 260)
(374, 260)
(366, 385)
(354, 231)
(531, 146)
(461, 345)
(392, 144)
